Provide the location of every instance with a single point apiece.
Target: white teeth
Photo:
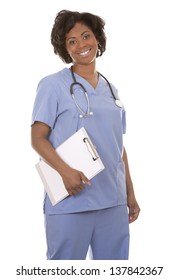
(84, 53)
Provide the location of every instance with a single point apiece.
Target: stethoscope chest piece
(118, 103)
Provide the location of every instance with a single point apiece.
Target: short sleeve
(46, 103)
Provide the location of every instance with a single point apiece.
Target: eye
(86, 36)
(72, 42)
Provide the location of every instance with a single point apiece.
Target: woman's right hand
(74, 181)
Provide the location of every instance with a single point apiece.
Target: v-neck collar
(82, 80)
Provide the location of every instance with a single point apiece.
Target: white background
(142, 61)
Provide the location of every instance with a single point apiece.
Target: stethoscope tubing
(87, 113)
(86, 96)
(108, 85)
(76, 83)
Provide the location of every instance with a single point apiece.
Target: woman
(97, 212)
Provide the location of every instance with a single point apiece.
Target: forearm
(43, 147)
(129, 183)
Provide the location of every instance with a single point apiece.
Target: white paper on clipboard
(77, 151)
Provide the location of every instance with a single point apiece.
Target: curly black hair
(65, 21)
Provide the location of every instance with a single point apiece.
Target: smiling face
(81, 44)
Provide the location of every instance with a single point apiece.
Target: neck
(88, 72)
(85, 70)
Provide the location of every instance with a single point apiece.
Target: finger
(77, 189)
(132, 218)
(80, 188)
(74, 192)
(133, 215)
(85, 179)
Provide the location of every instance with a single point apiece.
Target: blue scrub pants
(106, 231)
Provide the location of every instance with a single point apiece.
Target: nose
(80, 43)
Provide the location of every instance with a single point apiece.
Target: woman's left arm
(132, 204)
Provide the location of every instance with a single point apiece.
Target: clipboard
(78, 152)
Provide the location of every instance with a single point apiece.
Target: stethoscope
(88, 112)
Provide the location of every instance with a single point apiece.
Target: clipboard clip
(90, 148)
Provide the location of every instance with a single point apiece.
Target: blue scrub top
(55, 107)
